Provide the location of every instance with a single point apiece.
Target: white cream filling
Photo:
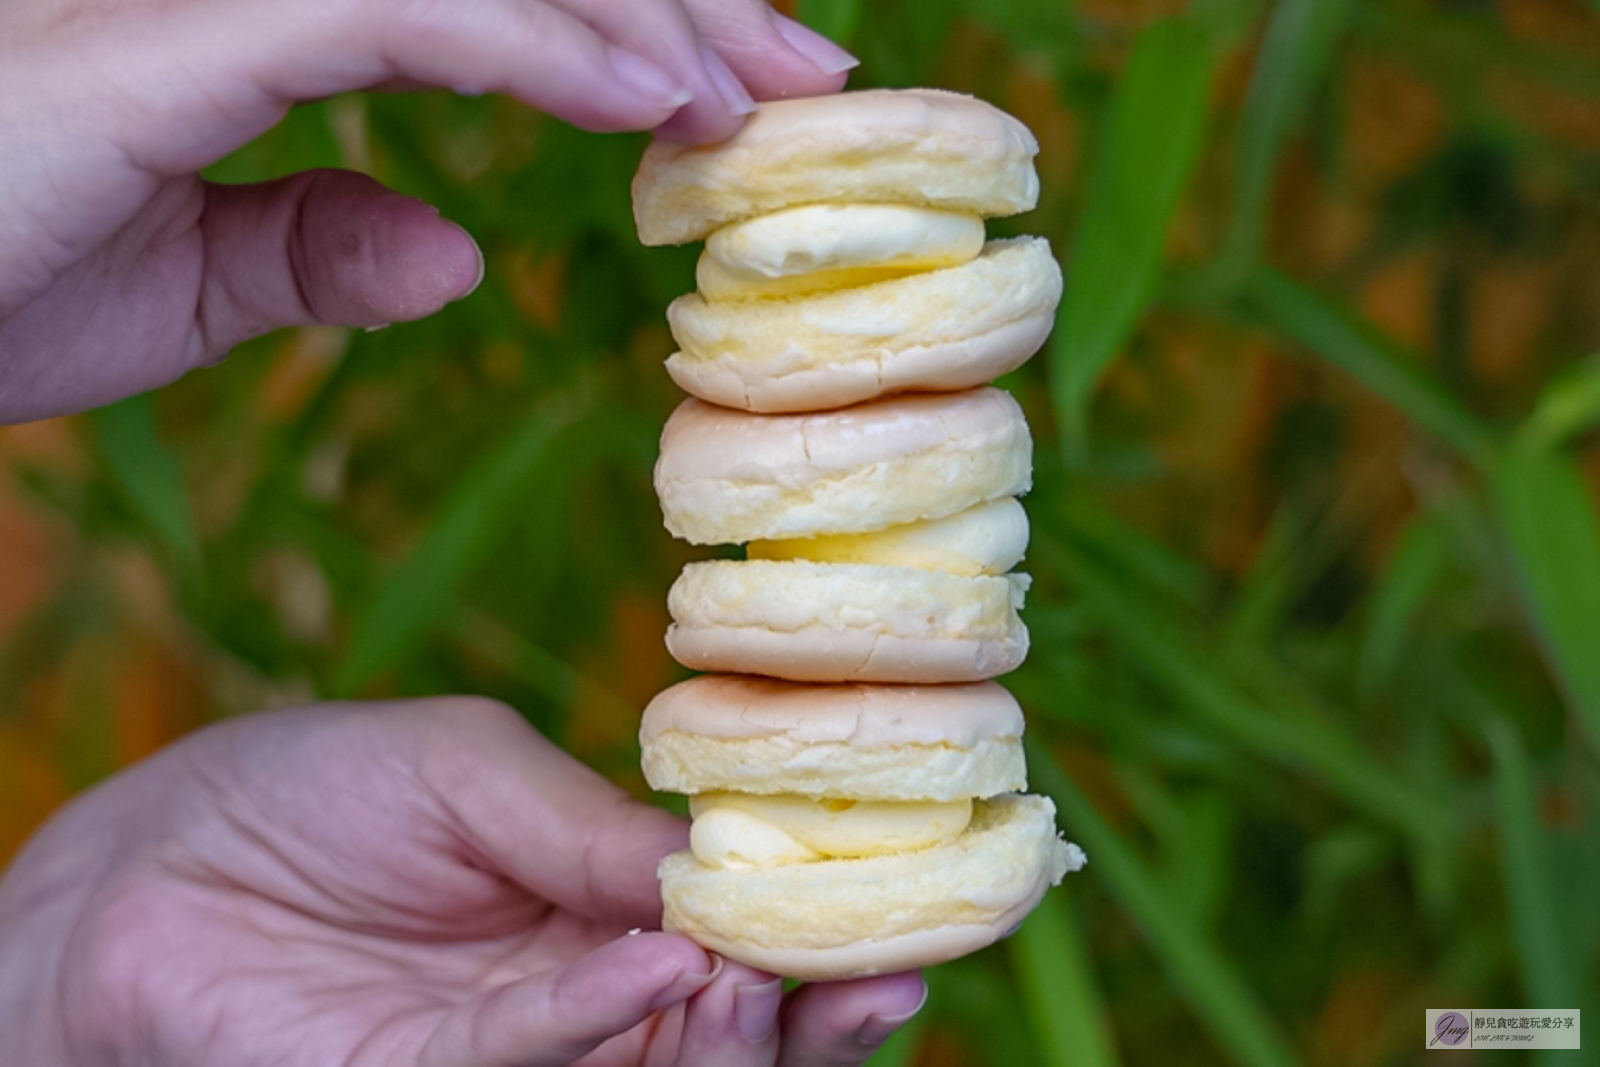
(990, 539)
(819, 247)
(743, 830)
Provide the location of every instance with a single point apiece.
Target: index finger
(836, 1024)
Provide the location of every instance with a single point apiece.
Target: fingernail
(876, 1030)
(755, 1009)
(687, 985)
(648, 80)
(482, 267)
(823, 53)
(730, 87)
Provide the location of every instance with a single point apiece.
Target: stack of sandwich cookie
(857, 806)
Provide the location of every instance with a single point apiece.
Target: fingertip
(468, 247)
(735, 97)
(844, 1022)
(714, 116)
(755, 1009)
(371, 256)
(780, 60)
(902, 993)
(776, 57)
(733, 1017)
(560, 1018)
(652, 84)
(816, 49)
(663, 968)
(687, 981)
(655, 956)
(424, 261)
(325, 246)
(700, 124)
(897, 1000)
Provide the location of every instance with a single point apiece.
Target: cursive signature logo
(1451, 1028)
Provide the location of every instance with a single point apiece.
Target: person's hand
(429, 884)
(120, 269)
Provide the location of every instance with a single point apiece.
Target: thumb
(554, 1018)
(325, 246)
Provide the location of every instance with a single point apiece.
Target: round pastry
(727, 477)
(837, 622)
(938, 330)
(922, 147)
(906, 848)
(861, 567)
(744, 734)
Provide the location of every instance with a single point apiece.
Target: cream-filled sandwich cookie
(844, 253)
(920, 147)
(727, 477)
(837, 622)
(926, 601)
(859, 566)
(841, 831)
(934, 330)
(742, 734)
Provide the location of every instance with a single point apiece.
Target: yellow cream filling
(743, 830)
(822, 247)
(990, 539)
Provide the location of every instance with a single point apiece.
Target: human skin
(120, 269)
(425, 883)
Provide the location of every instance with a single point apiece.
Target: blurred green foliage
(1316, 667)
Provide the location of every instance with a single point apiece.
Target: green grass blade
(1550, 526)
(1548, 978)
(535, 667)
(1190, 673)
(1267, 587)
(147, 473)
(1195, 835)
(1225, 1004)
(1567, 406)
(1358, 350)
(1147, 154)
(1399, 593)
(1295, 52)
(1060, 996)
(417, 597)
(538, 668)
(973, 1001)
(1130, 550)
